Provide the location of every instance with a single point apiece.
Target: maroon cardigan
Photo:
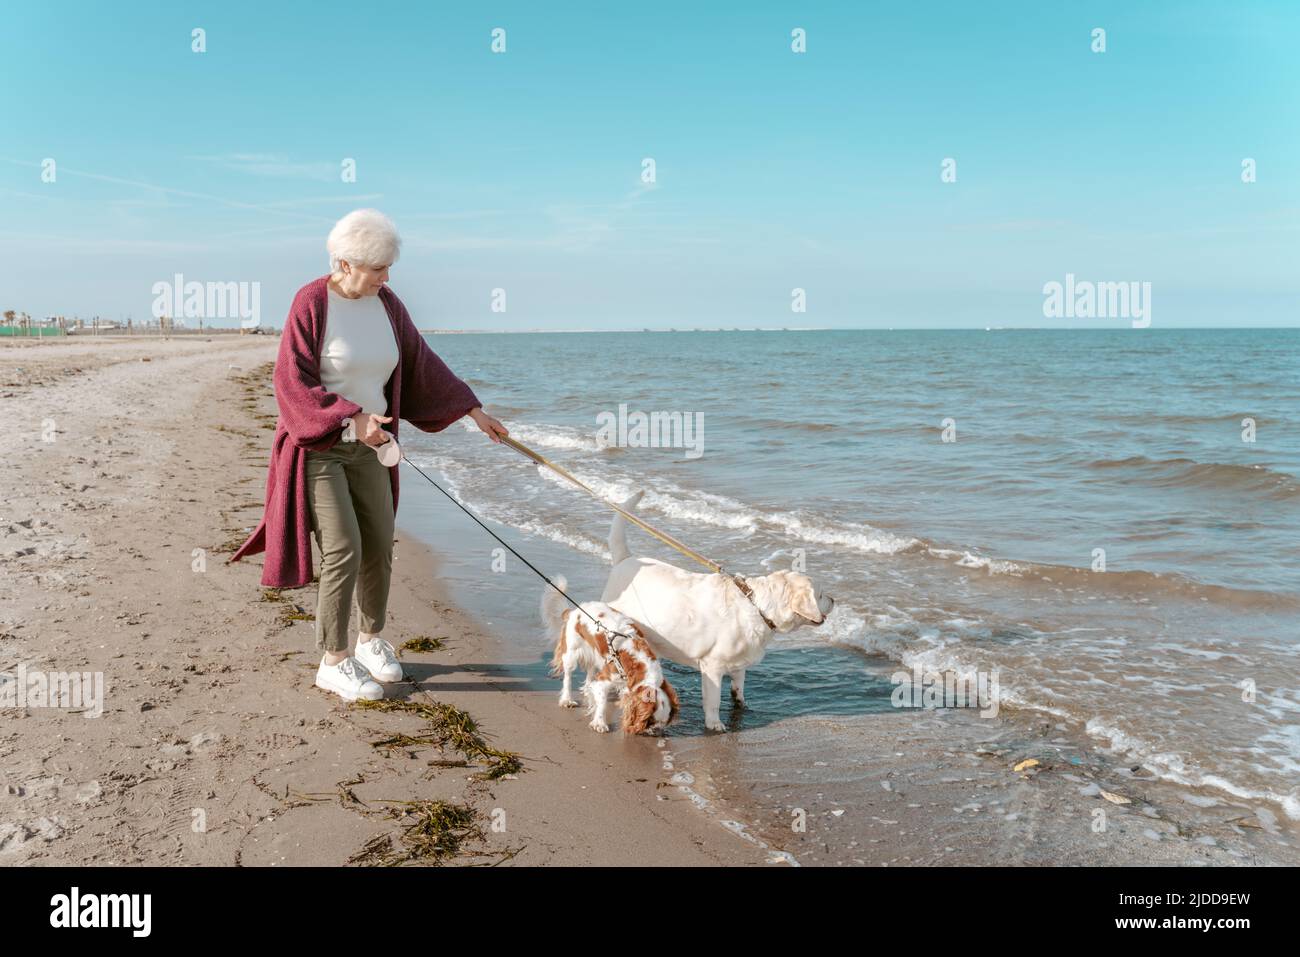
(422, 390)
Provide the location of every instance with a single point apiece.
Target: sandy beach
(213, 747)
(136, 467)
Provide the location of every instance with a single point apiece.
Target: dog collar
(749, 593)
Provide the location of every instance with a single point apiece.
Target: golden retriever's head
(790, 600)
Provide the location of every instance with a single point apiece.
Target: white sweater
(360, 351)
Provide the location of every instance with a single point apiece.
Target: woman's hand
(369, 428)
(490, 426)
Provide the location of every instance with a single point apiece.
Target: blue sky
(775, 170)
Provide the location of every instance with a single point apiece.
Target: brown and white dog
(647, 699)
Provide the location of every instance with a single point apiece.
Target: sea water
(1109, 520)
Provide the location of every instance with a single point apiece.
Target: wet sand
(940, 787)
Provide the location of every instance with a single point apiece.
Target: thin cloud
(190, 194)
(274, 165)
(319, 200)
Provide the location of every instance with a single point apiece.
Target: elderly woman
(351, 365)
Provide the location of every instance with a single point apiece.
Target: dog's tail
(552, 611)
(618, 531)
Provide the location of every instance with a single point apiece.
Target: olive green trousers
(350, 497)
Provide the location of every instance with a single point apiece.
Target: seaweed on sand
(422, 643)
(431, 832)
(447, 726)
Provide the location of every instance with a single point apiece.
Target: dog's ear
(672, 700)
(638, 711)
(803, 598)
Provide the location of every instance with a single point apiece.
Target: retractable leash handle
(390, 453)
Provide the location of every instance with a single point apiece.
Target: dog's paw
(715, 725)
(599, 726)
(568, 703)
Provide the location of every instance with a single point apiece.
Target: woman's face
(362, 280)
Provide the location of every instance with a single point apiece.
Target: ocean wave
(860, 537)
(1171, 766)
(1135, 583)
(792, 426)
(1147, 419)
(692, 507)
(554, 437)
(1212, 476)
(994, 566)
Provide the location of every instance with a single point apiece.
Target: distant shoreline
(433, 332)
(122, 334)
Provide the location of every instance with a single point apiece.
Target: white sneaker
(348, 679)
(379, 659)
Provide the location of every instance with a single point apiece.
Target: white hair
(364, 237)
